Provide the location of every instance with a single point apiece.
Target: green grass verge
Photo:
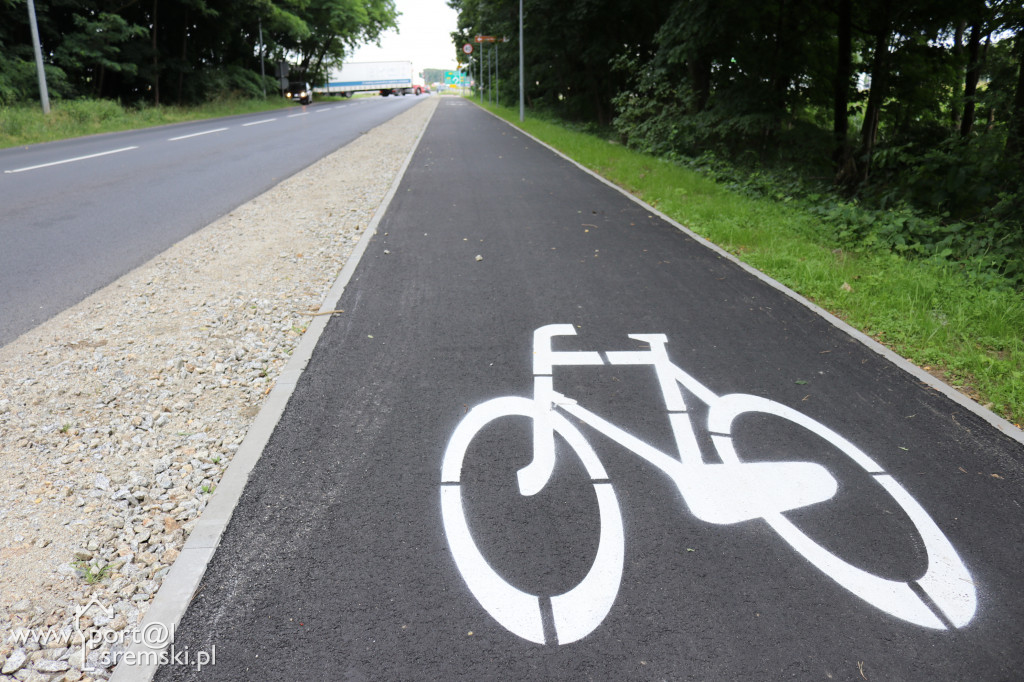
(928, 312)
(25, 124)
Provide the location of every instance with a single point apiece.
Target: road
(80, 213)
(896, 556)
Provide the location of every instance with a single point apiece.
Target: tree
(183, 50)
(570, 46)
(94, 49)
(337, 27)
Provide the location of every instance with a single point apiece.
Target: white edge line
(205, 132)
(1002, 425)
(256, 123)
(304, 113)
(77, 158)
(182, 582)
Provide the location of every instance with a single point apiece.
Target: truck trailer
(387, 78)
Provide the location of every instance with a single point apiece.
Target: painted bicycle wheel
(576, 612)
(946, 581)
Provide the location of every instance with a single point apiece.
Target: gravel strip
(118, 416)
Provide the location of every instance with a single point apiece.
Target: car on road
(299, 92)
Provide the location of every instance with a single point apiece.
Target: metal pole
(263, 73)
(480, 86)
(44, 96)
(522, 78)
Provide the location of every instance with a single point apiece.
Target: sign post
(490, 82)
(467, 50)
(522, 79)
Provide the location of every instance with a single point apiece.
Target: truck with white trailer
(387, 78)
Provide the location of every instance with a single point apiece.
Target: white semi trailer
(387, 78)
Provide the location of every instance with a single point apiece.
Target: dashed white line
(171, 139)
(205, 132)
(77, 158)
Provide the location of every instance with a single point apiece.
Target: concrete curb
(1002, 425)
(143, 658)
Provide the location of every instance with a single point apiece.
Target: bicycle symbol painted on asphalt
(728, 492)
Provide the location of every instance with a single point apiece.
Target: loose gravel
(118, 416)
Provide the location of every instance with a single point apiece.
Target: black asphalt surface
(67, 230)
(336, 565)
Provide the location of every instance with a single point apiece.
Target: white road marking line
(77, 158)
(305, 113)
(205, 132)
(256, 123)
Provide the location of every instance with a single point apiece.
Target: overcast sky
(423, 37)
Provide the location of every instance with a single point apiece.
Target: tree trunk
(320, 57)
(841, 98)
(973, 71)
(876, 97)
(699, 72)
(780, 76)
(958, 52)
(1015, 132)
(184, 56)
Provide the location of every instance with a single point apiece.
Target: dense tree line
(178, 51)
(917, 103)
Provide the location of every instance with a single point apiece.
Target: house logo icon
(92, 636)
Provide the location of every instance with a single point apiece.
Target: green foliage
(17, 78)
(569, 45)
(90, 572)
(95, 47)
(227, 82)
(989, 249)
(183, 52)
(330, 28)
(955, 176)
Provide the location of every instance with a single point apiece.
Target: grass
(970, 335)
(91, 574)
(25, 124)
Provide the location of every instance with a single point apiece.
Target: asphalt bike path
(552, 436)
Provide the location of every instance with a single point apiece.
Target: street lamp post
(263, 72)
(44, 96)
(522, 79)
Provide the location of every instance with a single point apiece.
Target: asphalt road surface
(80, 213)
(371, 544)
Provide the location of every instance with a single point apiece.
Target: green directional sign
(454, 78)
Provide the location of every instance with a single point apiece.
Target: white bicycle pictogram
(728, 492)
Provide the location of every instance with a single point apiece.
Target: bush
(19, 82)
(228, 82)
(953, 176)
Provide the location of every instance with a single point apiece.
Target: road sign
(485, 39)
(467, 48)
(454, 78)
